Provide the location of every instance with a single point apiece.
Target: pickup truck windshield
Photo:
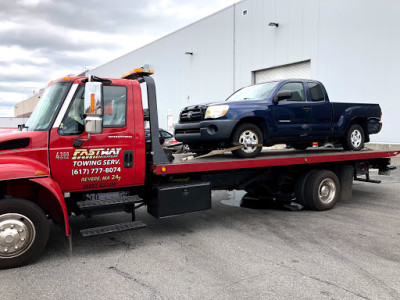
(254, 92)
(48, 106)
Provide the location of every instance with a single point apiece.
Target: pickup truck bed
(270, 158)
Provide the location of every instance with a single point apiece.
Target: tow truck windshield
(253, 92)
(49, 104)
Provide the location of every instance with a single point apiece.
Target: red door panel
(99, 162)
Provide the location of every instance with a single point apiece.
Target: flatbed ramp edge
(270, 158)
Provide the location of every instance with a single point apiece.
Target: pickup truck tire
(24, 231)
(322, 190)
(354, 139)
(247, 134)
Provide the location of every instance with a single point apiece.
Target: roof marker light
(145, 70)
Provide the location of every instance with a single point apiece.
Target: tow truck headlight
(216, 111)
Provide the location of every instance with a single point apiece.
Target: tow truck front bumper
(208, 132)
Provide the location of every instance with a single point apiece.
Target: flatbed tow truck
(83, 152)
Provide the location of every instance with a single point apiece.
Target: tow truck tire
(322, 190)
(299, 187)
(354, 139)
(24, 231)
(250, 134)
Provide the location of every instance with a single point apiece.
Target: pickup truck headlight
(216, 111)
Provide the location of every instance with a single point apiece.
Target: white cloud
(42, 40)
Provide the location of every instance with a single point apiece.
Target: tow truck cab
(57, 154)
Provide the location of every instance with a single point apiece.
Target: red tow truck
(83, 152)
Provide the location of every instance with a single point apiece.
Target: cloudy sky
(41, 40)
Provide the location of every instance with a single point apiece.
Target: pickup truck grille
(186, 131)
(192, 114)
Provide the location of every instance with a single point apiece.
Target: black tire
(28, 232)
(253, 134)
(299, 187)
(354, 138)
(322, 190)
(301, 146)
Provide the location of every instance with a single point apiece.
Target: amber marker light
(305, 160)
(40, 173)
(92, 103)
(141, 70)
(163, 169)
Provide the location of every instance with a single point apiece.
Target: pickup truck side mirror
(93, 107)
(282, 95)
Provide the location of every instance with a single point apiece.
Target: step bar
(112, 228)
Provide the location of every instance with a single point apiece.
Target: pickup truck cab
(293, 111)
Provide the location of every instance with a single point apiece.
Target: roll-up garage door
(296, 70)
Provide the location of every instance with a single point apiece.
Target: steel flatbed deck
(269, 158)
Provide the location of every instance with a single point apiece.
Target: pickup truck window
(297, 90)
(316, 91)
(254, 92)
(114, 111)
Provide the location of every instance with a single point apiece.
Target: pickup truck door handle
(128, 159)
(307, 108)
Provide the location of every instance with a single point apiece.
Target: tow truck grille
(192, 114)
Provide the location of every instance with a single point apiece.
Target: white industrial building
(352, 46)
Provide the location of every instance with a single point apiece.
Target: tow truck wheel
(300, 186)
(248, 135)
(24, 231)
(354, 139)
(322, 190)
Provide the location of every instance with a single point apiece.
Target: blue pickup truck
(294, 111)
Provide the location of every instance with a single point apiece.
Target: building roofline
(169, 34)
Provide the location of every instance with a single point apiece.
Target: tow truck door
(107, 159)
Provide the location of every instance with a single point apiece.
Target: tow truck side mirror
(282, 95)
(93, 107)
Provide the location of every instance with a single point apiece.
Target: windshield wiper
(22, 126)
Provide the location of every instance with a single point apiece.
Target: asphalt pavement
(229, 252)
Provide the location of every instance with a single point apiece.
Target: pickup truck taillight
(381, 116)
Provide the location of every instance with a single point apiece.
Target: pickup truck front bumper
(207, 132)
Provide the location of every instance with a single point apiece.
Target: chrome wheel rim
(17, 234)
(248, 138)
(327, 190)
(356, 138)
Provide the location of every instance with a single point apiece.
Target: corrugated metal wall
(296, 70)
(353, 47)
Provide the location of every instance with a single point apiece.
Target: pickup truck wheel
(354, 139)
(24, 231)
(322, 190)
(248, 135)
